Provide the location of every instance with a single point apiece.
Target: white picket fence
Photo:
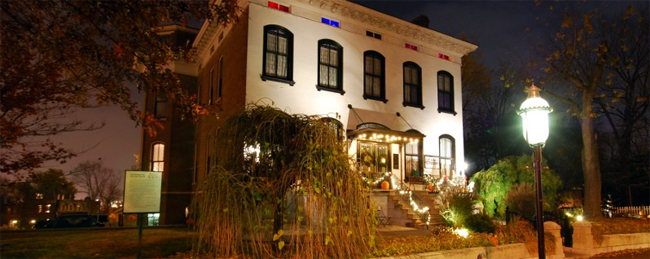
(631, 211)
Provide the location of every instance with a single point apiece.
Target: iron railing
(406, 195)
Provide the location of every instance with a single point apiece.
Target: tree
(97, 181)
(580, 53)
(623, 98)
(58, 56)
(53, 185)
(288, 170)
(487, 109)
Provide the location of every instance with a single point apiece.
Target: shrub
(521, 199)
(456, 206)
(493, 185)
(481, 223)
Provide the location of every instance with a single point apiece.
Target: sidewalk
(400, 231)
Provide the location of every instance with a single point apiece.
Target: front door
(374, 160)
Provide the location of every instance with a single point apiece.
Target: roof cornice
(398, 26)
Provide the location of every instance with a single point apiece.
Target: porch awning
(379, 126)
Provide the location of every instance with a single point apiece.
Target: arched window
(412, 85)
(447, 154)
(278, 54)
(220, 78)
(211, 87)
(374, 80)
(158, 157)
(330, 66)
(445, 92)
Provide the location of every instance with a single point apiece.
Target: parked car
(41, 224)
(70, 221)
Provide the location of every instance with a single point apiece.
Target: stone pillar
(583, 240)
(554, 229)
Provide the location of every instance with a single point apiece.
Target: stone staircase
(413, 218)
(432, 200)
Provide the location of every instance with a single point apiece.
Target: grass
(94, 243)
(176, 242)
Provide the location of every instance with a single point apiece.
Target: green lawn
(94, 243)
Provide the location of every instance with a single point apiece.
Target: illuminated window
(412, 159)
(278, 54)
(39, 196)
(160, 106)
(412, 85)
(40, 208)
(445, 92)
(374, 76)
(447, 154)
(158, 157)
(330, 66)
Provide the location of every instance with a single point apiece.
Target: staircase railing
(407, 196)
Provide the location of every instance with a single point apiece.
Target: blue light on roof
(329, 22)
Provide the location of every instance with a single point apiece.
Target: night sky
(505, 31)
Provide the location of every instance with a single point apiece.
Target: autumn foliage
(58, 56)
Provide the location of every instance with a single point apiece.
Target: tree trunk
(591, 170)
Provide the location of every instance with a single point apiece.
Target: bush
(521, 199)
(481, 223)
(456, 206)
(494, 184)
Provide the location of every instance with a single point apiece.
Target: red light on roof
(443, 56)
(277, 6)
(412, 47)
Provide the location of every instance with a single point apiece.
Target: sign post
(142, 192)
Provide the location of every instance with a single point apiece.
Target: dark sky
(499, 28)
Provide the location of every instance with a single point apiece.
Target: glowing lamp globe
(534, 114)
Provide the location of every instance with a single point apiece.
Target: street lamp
(534, 114)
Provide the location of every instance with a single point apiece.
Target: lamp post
(534, 114)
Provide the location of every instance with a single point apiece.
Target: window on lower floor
(412, 159)
(158, 157)
(447, 155)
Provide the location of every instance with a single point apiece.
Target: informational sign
(142, 191)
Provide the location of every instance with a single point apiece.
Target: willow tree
(282, 186)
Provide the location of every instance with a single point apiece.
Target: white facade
(435, 52)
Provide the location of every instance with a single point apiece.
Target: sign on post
(142, 191)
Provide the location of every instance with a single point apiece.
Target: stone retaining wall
(584, 243)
